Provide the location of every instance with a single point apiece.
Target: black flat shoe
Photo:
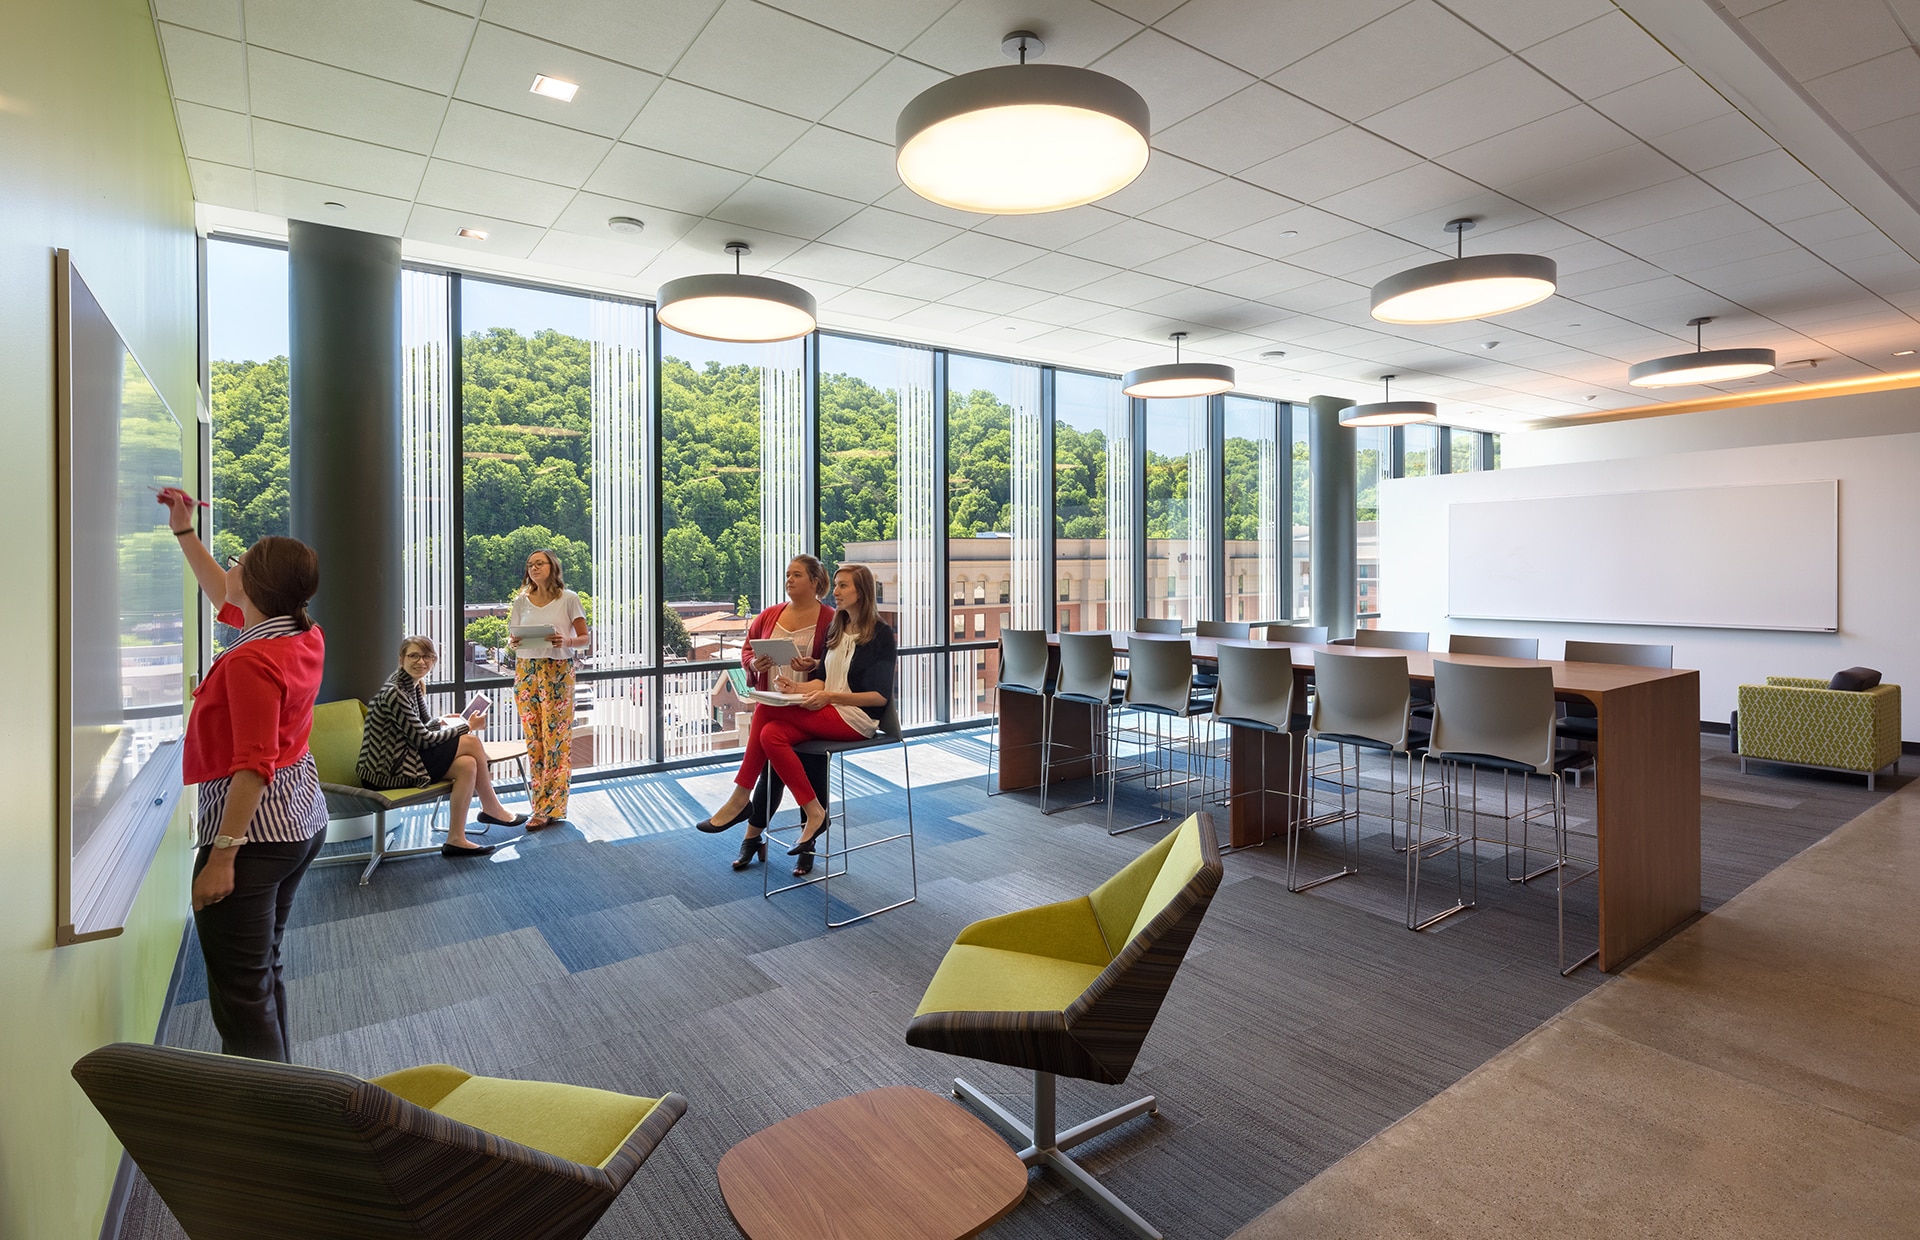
(518, 820)
(711, 827)
(752, 846)
(471, 850)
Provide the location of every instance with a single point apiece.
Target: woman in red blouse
(262, 815)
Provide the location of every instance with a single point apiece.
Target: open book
(775, 699)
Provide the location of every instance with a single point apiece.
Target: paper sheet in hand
(775, 699)
(779, 649)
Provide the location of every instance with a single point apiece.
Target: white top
(800, 635)
(838, 659)
(560, 613)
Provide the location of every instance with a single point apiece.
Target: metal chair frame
(1005, 682)
(1156, 770)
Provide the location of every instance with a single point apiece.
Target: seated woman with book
(840, 699)
(404, 747)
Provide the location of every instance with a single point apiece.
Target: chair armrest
(1795, 682)
(1066, 930)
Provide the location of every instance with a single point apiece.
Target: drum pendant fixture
(1178, 378)
(1389, 412)
(739, 308)
(1463, 288)
(1703, 365)
(1022, 139)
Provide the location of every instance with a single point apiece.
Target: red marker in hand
(165, 492)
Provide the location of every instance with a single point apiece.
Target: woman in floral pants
(543, 682)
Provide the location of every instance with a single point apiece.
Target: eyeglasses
(230, 562)
(424, 658)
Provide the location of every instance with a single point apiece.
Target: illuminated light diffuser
(554, 88)
(1178, 378)
(1389, 412)
(1703, 365)
(734, 307)
(1022, 139)
(1462, 288)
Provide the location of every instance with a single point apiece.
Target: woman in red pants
(845, 698)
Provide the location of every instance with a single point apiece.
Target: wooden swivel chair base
(1041, 989)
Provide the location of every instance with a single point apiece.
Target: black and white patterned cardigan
(398, 731)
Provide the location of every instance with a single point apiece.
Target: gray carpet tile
(620, 951)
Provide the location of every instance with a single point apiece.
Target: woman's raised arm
(206, 570)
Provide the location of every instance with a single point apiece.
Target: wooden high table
(1647, 785)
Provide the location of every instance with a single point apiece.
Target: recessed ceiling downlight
(1463, 288)
(554, 88)
(1389, 412)
(1177, 378)
(735, 307)
(1022, 139)
(1703, 365)
(626, 225)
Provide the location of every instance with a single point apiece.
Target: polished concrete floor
(1756, 1076)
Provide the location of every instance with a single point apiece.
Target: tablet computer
(531, 632)
(781, 650)
(477, 705)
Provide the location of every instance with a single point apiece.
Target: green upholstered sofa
(1800, 721)
(244, 1148)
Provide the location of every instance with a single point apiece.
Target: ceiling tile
(1319, 295)
(221, 17)
(483, 138)
(417, 44)
(872, 109)
(1291, 232)
(1477, 105)
(837, 163)
(1623, 212)
(788, 209)
(1710, 144)
(1064, 311)
(1130, 243)
(1057, 273)
(713, 129)
(907, 202)
(705, 247)
(1811, 38)
(588, 253)
(1265, 38)
(501, 66)
(222, 185)
(1051, 229)
(967, 37)
(1363, 250)
(890, 23)
(1518, 24)
(936, 318)
(302, 153)
(819, 261)
(1842, 221)
(1425, 187)
(1338, 161)
(1527, 151)
(1128, 288)
(1175, 80)
(1607, 54)
(996, 298)
(1166, 177)
(980, 255)
(918, 280)
(1068, 340)
(353, 105)
(1248, 128)
(202, 68)
(1660, 105)
(440, 225)
(1592, 180)
(1263, 280)
(658, 179)
(868, 304)
(777, 60)
(587, 214)
(1758, 174)
(497, 194)
(303, 200)
(648, 34)
(1201, 264)
(1222, 207)
(1204, 306)
(1873, 92)
(1895, 145)
(890, 233)
(1406, 53)
(215, 134)
(1786, 205)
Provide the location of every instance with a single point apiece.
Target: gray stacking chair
(1507, 647)
(1085, 679)
(1161, 688)
(1502, 719)
(1303, 634)
(1580, 722)
(832, 851)
(1234, 630)
(1168, 625)
(1256, 692)
(1392, 639)
(1023, 670)
(1360, 702)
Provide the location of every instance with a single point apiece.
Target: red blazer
(255, 708)
(762, 626)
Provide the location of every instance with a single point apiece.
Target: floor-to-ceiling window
(1302, 514)
(1093, 503)
(1373, 460)
(1252, 472)
(880, 495)
(996, 486)
(1467, 450)
(1420, 451)
(1179, 470)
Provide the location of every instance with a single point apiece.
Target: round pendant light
(1022, 139)
(1178, 378)
(1703, 365)
(739, 308)
(1462, 288)
(1389, 412)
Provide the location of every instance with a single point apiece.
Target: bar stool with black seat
(1506, 647)
(1580, 721)
(1360, 702)
(1497, 718)
(888, 733)
(1256, 695)
(1085, 680)
(1023, 670)
(1160, 689)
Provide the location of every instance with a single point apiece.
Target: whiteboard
(1745, 557)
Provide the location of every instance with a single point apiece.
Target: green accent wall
(92, 162)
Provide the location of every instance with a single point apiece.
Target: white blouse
(839, 657)
(560, 613)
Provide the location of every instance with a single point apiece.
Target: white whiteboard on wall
(1745, 557)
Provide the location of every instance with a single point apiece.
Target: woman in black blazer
(844, 699)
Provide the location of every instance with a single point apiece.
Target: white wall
(1879, 475)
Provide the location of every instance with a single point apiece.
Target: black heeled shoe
(750, 847)
(807, 842)
(711, 827)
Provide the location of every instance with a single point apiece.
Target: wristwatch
(229, 841)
